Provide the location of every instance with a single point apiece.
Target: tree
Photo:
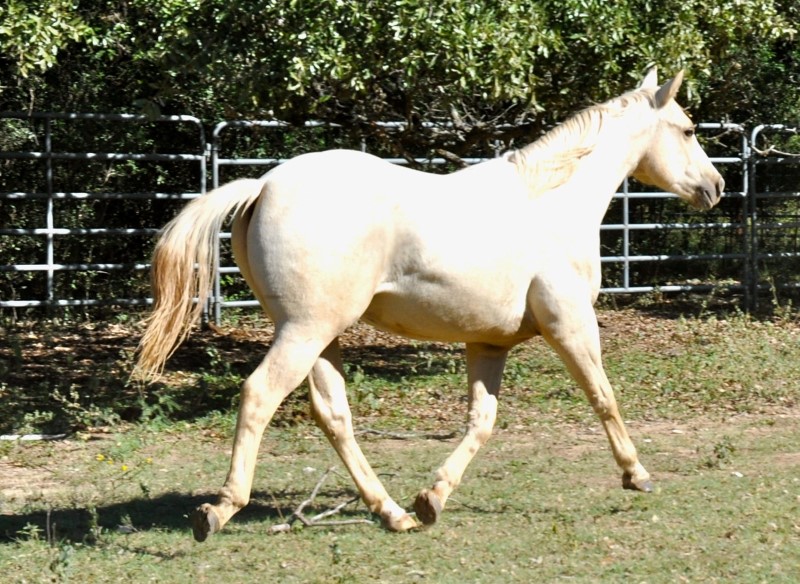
(502, 68)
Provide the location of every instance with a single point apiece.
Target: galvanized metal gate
(44, 130)
(753, 242)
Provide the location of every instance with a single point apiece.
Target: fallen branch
(408, 436)
(317, 520)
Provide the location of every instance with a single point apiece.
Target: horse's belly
(437, 314)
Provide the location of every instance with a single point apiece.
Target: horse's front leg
(332, 414)
(569, 324)
(484, 372)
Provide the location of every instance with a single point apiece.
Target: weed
(33, 422)
(157, 414)
(336, 553)
(95, 529)
(31, 532)
(80, 416)
(722, 453)
(61, 564)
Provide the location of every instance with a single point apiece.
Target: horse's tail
(182, 270)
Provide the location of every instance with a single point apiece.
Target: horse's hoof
(204, 522)
(400, 524)
(428, 507)
(643, 485)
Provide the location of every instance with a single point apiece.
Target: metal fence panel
(50, 132)
(745, 244)
(774, 239)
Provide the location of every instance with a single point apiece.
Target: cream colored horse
(489, 256)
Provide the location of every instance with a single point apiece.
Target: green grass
(711, 404)
(537, 506)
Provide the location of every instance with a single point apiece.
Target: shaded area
(167, 512)
(56, 379)
(67, 378)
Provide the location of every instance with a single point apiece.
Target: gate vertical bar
(751, 218)
(626, 236)
(50, 220)
(748, 216)
(217, 295)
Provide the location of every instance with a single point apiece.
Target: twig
(408, 436)
(772, 150)
(316, 520)
(452, 158)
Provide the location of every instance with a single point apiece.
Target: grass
(711, 404)
(541, 506)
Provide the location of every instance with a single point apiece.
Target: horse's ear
(650, 79)
(669, 90)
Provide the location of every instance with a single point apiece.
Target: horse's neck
(595, 177)
(594, 184)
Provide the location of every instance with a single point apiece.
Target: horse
(489, 256)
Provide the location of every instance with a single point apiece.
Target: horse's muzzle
(709, 194)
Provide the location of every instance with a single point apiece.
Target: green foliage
(33, 33)
(478, 64)
(487, 74)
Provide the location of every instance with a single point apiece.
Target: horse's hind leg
(286, 364)
(484, 373)
(332, 414)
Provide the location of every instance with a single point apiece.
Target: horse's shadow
(166, 512)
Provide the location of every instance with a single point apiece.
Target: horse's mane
(551, 160)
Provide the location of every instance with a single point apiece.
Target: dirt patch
(25, 480)
(20, 482)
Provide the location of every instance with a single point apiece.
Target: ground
(85, 358)
(710, 400)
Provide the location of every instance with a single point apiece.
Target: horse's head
(674, 160)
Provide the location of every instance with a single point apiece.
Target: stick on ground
(317, 520)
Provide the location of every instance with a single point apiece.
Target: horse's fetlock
(227, 497)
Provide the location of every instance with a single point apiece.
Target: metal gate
(40, 154)
(749, 243)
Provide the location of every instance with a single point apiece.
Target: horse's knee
(482, 419)
(600, 407)
(335, 423)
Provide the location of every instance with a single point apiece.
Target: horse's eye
(689, 133)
